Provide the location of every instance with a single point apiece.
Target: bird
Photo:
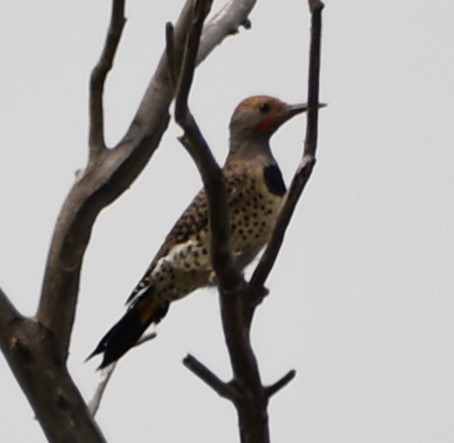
(256, 192)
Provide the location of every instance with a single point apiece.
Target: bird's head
(260, 116)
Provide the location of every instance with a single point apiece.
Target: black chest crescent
(273, 180)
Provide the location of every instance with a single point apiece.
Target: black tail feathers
(125, 333)
(120, 338)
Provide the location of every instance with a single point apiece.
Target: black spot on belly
(273, 180)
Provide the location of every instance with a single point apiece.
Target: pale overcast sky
(361, 300)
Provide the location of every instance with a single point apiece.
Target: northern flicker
(256, 192)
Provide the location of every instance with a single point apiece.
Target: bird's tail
(125, 333)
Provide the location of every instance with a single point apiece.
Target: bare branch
(226, 22)
(212, 380)
(8, 316)
(201, 10)
(104, 376)
(170, 53)
(106, 373)
(234, 14)
(249, 398)
(308, 161)
(269, 257)
(98, 77)
(252, 409)
(145, 338)
(210, 171)
(8, 313)
(34, 358)
(281, 383)
(310, 146)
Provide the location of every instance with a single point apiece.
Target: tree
(37, 348)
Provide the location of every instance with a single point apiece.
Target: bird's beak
(293, 110)
(296, 109)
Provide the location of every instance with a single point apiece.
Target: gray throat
(255, 150)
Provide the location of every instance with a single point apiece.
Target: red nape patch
(265, 124)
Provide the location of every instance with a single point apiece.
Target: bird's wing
(191, 222)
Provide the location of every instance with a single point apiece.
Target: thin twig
(226, 22)
(104, 376)
(106, 373)
(212, 380)
(145, 338)
(170, 52)
(269, 257)
(310, 145)
(281, 383)
(98, 78)
(306, 166)
(186, 74)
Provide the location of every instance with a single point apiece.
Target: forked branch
(249, 396)
(96, 140)
(199, 150)
(307, 164)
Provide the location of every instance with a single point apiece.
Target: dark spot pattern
(183, 262)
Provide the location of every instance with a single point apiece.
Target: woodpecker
(256, 192)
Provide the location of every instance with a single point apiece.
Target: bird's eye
(264, 107)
